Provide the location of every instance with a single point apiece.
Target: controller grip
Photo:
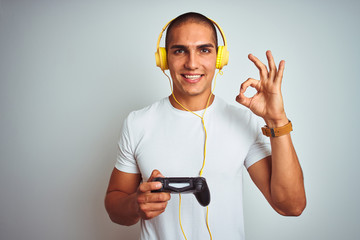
(202, 192)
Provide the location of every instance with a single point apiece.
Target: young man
(167, 139)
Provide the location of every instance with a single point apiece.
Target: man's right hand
(151, 204)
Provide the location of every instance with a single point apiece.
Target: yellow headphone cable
(205, 143)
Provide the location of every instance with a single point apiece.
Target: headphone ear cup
(161, 59)
(222, 57)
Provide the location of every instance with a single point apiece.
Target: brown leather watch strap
(276, 132)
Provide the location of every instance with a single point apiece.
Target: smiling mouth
(192, 77)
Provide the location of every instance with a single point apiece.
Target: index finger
(149, 186)
(262, 67)
(155, 173)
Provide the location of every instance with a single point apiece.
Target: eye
(205, 50)
(179, 51)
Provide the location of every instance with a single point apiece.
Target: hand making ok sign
(267, 102)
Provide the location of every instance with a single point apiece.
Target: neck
(195, 103)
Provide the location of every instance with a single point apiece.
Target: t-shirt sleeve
(126, 161)
(260, 147)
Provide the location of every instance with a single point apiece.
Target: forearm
(122, 208)
(286, 185)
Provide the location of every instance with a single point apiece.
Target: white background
(71, 71)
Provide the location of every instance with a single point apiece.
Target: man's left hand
(267, 102)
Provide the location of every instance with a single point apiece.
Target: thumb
(155, 173)
(243, 100)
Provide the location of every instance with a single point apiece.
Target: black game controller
(196, 185)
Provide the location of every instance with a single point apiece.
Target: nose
(192, 61)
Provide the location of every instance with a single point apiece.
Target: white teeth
(192, 76)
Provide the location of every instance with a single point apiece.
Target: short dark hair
(189, 17)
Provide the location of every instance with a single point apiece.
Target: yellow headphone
(222, 57)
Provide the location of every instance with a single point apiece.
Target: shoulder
(140, 121)
(148, 112)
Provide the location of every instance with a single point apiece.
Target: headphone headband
(215, 23)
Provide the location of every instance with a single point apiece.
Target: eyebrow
(207, 45)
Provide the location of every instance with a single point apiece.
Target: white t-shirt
(172, 141)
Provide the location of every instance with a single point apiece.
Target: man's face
(192, 59)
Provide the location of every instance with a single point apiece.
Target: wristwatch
(276, 132)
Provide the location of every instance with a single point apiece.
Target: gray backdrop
(71, 71)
